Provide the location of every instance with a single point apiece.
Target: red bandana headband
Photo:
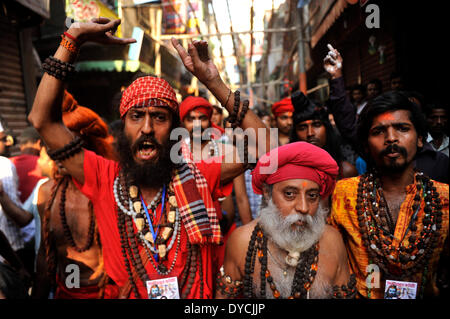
(148, 91)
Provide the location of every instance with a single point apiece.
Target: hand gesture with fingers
(332, 63)
(100, 30)
(197, 61)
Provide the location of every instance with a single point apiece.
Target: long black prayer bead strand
(249, 265)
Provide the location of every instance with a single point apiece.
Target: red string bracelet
(71, 37)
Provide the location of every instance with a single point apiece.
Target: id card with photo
(165, 288)
(400, 290)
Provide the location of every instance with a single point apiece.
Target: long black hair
(388, 102)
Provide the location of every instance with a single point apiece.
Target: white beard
(287, 236)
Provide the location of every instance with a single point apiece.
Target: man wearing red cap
(282, 111)
(154, 209)
(196, 108)
(193, 110)
(289, 251)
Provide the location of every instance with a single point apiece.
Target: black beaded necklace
(66, 228)
(304, 275)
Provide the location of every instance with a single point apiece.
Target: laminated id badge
(400, 290)
(165, 288)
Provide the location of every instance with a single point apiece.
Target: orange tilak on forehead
(386, 117)
(304, 184)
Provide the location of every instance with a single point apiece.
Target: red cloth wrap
(298, 160)
(195, 102)
(145, 89)
(285, 105)
(199, 104)
(111, 291)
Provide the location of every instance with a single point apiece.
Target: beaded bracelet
(243, 112)
(57, 68)
(231, 288)
(346, 292)
(69, 46)
(68, 150)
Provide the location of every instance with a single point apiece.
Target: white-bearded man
(289, 251)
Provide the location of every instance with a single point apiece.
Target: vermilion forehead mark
(386, 117)
(304, 184)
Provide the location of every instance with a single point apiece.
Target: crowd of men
(176, 201)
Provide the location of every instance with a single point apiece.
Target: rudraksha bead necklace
(130, 240)
(67, 232)
(415, 249)
(304, 276)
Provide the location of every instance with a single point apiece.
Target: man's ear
(420, 141)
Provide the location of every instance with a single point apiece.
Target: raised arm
(197, 61)
(46, 114)
(344, 112)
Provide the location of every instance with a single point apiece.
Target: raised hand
(100, 30)
(197, 61)
(332, 63)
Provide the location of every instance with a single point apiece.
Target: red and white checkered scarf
(195, 202)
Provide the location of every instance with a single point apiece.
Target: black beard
(152, 174)
(394, 167)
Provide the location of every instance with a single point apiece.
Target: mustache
(394, 148)
(145, 138)
(312, 140)
(291, 219)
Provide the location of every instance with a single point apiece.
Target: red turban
(298, 160)
(195, 102)
(199, 104)
(285, 105)
(148, 91)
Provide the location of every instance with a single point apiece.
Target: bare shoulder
(332, 240)
(333, 250)
(242, 234)
(237, 243)
(46, 188)
(44, 194)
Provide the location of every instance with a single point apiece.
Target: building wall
(13, 106)
(350, 36)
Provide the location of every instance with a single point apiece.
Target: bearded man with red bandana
(154, 208)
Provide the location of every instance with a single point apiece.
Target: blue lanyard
(154, 234)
